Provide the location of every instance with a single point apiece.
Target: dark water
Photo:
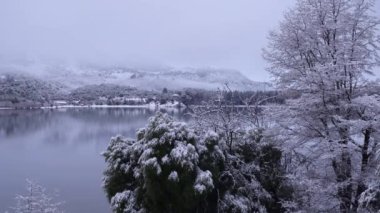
(60, 149)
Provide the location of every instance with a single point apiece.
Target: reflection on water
(60, 149)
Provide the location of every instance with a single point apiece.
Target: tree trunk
(365, 157)
(342, 169)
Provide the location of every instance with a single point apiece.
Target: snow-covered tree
(36, 201)
(253, 161)
(229, 120)
(326, 49)
(172, 168)
(164, 170)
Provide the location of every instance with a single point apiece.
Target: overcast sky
(180, 33)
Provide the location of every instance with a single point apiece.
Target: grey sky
(181, 33)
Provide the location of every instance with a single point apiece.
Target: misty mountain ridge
(74, 76)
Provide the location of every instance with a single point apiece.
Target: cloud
(182, 33)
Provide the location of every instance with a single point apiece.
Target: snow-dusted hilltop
(145, 79)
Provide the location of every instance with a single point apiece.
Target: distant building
(136, 99)
(59, 103)
(176, 97)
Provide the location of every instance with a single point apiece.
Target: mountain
(145, 79)
(209, 79)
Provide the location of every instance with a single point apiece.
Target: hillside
(19, 90)
(144, 79)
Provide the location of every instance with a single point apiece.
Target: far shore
(145, 106)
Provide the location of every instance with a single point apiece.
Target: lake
(60, 149)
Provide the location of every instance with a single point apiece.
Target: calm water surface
(60, 149)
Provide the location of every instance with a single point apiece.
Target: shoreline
(147, 106)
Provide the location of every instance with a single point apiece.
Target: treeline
(93, 92)
(19, 90)
(26, 91)
(116, 95)
(201, 97)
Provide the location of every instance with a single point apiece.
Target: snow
(212, 135)
(173, 176)
(185, 155)
(146, 106)
(371, 195)
(203, 181)
(126, 198)
(165, 159)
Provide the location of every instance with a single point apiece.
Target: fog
(177, 33)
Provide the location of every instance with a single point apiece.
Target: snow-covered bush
(167, 169)
(36, 201)
(258, 172)
(172, 168)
